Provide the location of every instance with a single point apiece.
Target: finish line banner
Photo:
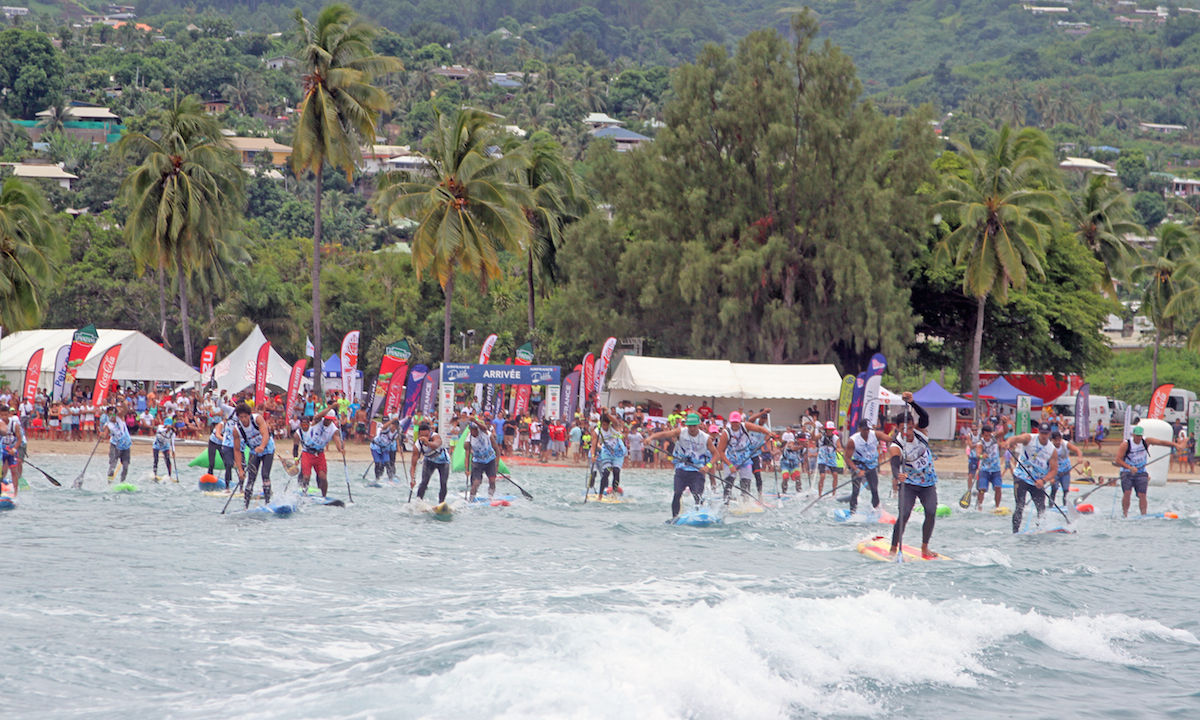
(501, 374)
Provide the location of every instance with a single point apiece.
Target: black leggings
(871, 478)
(686, 480)
(166, 457)
(1020, 487)
(427, 472)
(908, 500)
(257, 461)
(616, 476)
(226, 454)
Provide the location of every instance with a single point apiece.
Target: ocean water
(153, 605)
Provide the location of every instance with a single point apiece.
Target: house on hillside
(375, 157)
(1044, 10)
(216, 107)
(1164, 129)
(279, 62)
(625, 140)
(1087, 166)
(249, 148)
(92, 123)
(43, 171)
(455, 72)
(601, 120)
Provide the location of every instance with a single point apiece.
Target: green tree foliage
(1101, 216)
(1150, 207)
(31, 73)
(29, 241)
(1170, 271)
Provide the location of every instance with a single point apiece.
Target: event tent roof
(723, 379)
(331, 369)
(1002, 391)
(141, 359)
(236, 372)
(936, 396)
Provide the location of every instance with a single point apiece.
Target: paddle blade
(965, 501)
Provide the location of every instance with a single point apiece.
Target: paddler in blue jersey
(862, 457)
(430, 448)
(694, 451)
(313, 441)
(1036, 466)
(119, 443)
(252, 431)
(1132, 457)
(913, 476)
(737, 447)
(608, 453)
(383, 449)
(1062, 478)
(12, 436)
(482, 454)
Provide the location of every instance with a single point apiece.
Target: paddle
(712, 475)
(233, 494)
(346, 469)
(1084, 496)
(588, 486)
(79, 480)
(527, 495)
(53, 482)
(1047, 496)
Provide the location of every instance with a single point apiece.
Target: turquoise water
(153, 605)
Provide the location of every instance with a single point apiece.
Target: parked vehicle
(1098, 409)
(1177, 405)
(1116, 411)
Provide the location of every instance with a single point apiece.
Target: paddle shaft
(79, 480)
(1052, 503)
(527, 495)
(53, 482)
(231, 495)
(346, 469)
(710, 474)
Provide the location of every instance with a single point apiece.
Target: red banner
(104, 375)
(33, 371)
(524, 357)
(589, 381)
(260, 375)
(208, 356)
(293, 390)
(1158, 401)
(485, 355)
(395, 389)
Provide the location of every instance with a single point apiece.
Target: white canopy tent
(235, 372)
(141, 359)
(787, 389)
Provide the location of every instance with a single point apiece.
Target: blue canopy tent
(943, 407)
(332, 369)
(1002, 391)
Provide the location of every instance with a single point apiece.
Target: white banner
(445, 407)
(553, 401)
(349, 356)
(485, 354)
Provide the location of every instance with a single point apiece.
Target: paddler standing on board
(988, 451)
(12, 437)
(482, 454)
(119, 443)
(913, 476)
(251, 431)
(737, 448)
(828, 446)
(1132, 457)
(313, 442)
(791, 456)
(164, 444)
(608, 453)
(1036, 466)
(694, 451)
(383, 449)
(429, 447)
(1062, 478)
(862, 457)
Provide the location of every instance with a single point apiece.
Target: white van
(1116, 411)
(1098, 409)
(1177, 405)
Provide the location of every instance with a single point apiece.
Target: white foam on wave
(748, 656)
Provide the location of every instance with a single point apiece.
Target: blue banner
(1083, 420)
(412, 391)
(568, 396)
(501, 374)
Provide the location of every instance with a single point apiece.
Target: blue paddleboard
(699, 517)
(280, 509)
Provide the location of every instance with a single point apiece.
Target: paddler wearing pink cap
(312, 458)
(829, 444)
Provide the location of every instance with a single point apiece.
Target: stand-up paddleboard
(745, 507)
(494, 501)
(211, 482)
(442, 512)
(942, 510)
(125, 487)
(1047, 531)
(1000, 510)
(778, 496)
(277, 509)
(7, 502)
(869, 516)
(609, 498)
(877, 548)
(698, 517)
(330, 501)
(1155, 516)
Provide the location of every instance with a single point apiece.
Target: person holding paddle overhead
(429, 446)
(913, 475)
(737, 449)
(1132, 457)
(694, 450)
(119, 443)
(12, 436)
(1035, 467)
(862, 457)
(482, 457)
(988, 451)
(251, 430)
(312, 456)
(608, 452)
(1062, 478)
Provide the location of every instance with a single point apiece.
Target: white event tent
(141, 359)
(787, 389)
(235, 372)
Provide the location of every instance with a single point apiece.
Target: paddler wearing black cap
(913, 475)
(608, 452)
(429, 446)
(482, 454)
(1132, 457)
(694, 451)
(862, 457)
(1036, 466)
(313, 441)
(737, 449)
(252, 431)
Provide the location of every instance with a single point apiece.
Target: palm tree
(56, 119)
(245, 92)
(11, 133)
(1170, 276)
(556, 197)
(1014, 105)
(1000, 210)
(338, 112)
(468, 203)
(1101, 217)
(591, 92)
(29, 240)
(188, 190)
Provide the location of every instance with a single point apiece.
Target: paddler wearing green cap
(694, 451)
(1132, 457)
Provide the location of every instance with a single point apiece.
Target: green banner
(1193, 417)
(844, 399)
(1024, 405)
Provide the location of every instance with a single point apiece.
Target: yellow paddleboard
(745, 508)
(877, 548)
(610, 499)
(443, 511)
(1001, 511)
